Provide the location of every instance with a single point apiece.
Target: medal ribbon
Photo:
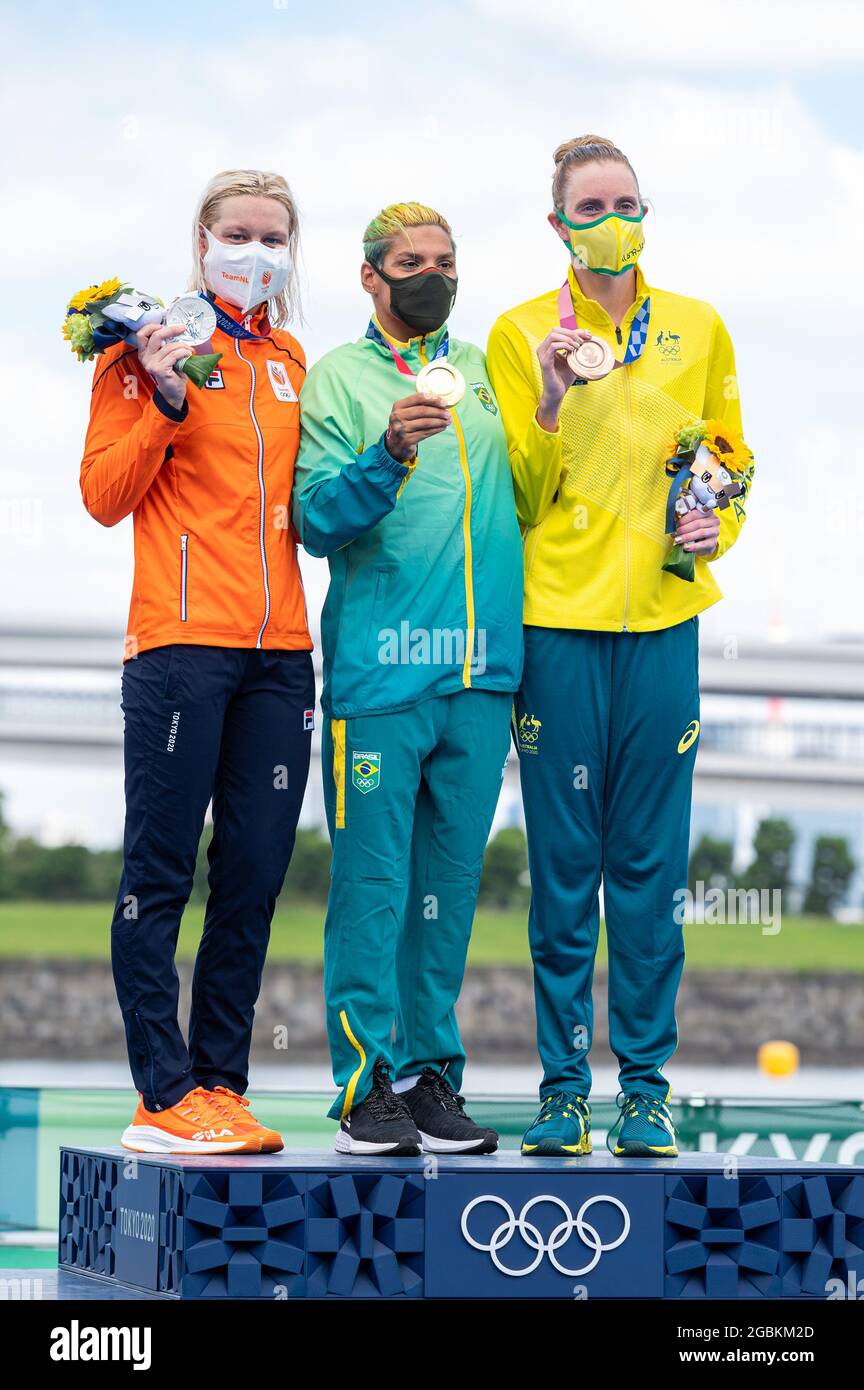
(374, 332)
(674, 489)
(231, 326)
(638, 328)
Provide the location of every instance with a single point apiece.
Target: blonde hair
(396, 218)
(232, 183)
(585, 149)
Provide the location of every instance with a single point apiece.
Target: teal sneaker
(562, 1126)
(645, 1128)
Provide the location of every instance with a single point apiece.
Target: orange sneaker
(235, 1110)
(193, 1126)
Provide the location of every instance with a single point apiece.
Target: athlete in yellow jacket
(607, 717)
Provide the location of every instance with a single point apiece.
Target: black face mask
(424, 300)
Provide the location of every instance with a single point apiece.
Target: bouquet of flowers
(710, 466)
(114, 311)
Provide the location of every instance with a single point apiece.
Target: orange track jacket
(209, 489)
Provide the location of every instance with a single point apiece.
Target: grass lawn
(80, 931)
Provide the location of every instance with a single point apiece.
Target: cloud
(775, 35)
(706, 100)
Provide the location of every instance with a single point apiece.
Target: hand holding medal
(173, 340)
(161, 354)
(554, 354)
(413, 419)
(438, 386)
(440, 380)
(591, 360)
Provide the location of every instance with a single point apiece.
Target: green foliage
(833, 867)
(711, 864)
(75, 874)
(5, 879)
(199, 882)
(65, 873)
(308, 875)
(505, 870)
(772, 862)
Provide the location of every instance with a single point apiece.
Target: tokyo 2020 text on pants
(202, 721)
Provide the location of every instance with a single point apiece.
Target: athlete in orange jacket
(218, 690)
(209, 487)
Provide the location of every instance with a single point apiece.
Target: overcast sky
(739, 119)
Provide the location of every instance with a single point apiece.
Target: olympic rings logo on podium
(532, 1237)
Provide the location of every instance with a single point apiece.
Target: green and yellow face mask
(609, 245)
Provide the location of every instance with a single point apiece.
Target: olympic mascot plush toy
(704, 474)
(113, 312)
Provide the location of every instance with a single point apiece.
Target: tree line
(74, 873)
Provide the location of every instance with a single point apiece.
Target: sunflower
(95, 293)
(726, 445)
(108, 288)
(81, 298)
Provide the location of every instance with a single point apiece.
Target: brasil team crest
(366, 771)
(484, 396)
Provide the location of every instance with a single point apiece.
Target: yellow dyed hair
(399, 217)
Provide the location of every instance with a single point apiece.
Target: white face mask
(245, 275)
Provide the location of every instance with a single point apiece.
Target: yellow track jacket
(591, 497)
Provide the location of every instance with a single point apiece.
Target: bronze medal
(592, 360)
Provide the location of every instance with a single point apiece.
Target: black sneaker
(380, 1124)
(439, 1114)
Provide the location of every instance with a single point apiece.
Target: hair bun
(578, 143)
(585, 149)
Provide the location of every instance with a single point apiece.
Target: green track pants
(410, 798)
(607, 726)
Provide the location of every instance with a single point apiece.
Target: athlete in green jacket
(412, 503)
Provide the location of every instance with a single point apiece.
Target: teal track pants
(607, 727)
(410, 797)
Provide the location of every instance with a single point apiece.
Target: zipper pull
(618, 337)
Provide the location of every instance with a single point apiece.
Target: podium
(311, 1224)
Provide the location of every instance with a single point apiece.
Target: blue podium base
(314, 1224)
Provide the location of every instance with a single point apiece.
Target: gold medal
(591, 360)
(441, 379)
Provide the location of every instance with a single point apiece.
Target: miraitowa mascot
(700, 480)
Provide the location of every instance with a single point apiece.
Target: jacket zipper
(466, 531)
(184, 564)
(262, 495)
(466, 536)
(619, 338)
(627, 499)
